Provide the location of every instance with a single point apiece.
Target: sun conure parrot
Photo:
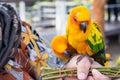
(83, 35)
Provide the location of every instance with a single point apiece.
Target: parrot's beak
(83, 26)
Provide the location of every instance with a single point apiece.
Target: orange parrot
(82, 34)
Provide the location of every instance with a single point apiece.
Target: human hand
(83, 69)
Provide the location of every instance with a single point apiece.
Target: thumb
(83, 68)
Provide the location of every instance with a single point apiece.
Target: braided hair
(10, 32)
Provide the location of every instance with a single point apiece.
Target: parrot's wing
(96, 43)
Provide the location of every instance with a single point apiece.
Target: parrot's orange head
(80, 17)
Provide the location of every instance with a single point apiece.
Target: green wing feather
(96, 43)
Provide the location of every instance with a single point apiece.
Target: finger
(98, 76)
(83, 68)
(72, 62)
(95, 64)
(90, 78)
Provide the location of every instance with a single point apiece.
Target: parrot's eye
(75, 19)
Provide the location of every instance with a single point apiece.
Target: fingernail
(82, 76)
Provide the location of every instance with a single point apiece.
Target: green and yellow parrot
(83, 35)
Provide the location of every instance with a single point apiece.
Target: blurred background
(49, 18)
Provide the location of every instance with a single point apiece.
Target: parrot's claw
(82, 56)
(67, 53)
